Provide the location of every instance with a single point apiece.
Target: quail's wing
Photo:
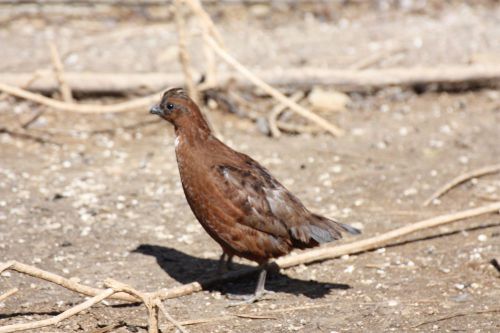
(268, 206)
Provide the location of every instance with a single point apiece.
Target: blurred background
(89, 186)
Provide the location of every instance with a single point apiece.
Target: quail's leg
(259, 291)
(225, 263)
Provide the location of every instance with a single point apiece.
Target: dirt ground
(102, 200)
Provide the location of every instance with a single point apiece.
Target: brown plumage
(236, 200)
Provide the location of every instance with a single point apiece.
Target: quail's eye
(170, 106)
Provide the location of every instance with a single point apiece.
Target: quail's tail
(350, 229)
(319, 230)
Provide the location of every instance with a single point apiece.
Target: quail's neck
(194, 130)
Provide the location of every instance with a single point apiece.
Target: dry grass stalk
(115, 288)
(332, 129)
(183, 52)
(139, 103)
(205, 20)
(460, 179)
(58, 67)
(8, 293)
(60, 317)
(277, 110)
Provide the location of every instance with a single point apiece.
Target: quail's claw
(247, 299)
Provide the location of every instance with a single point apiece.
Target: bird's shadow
(186, 269)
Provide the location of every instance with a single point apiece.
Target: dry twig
(374, 58)
(183, 53)
(461, 314)
(174, 322)
(334, 130)
(139, 103)
(205, 20)
(59, 280)
(8, 293)
(59, 74)
(115, 288)
(60, 317)
(144, 297)
(449, 77)
(276, 111)
(22, 134)
(375, 242)
(462, 178)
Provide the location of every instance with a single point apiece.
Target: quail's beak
(156, 110)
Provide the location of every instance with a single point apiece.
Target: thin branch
(183, 53)
(59, 74)
(144, 297)
(334, 130)
(205, 20)
(276, 111)
(296, 128)
(139, 103)
(375, 242)
(374, 58)
(35, 76)
(265, 315)
(6, 265)
(8, 293)
(462, 178)
(444, 77)
(60, 317)
(59, 280)
(461, 314)
(109, 328)
(23, 135)
(174, 322)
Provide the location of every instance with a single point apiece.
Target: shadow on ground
(186, 269)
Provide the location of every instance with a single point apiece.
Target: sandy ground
(104, 201)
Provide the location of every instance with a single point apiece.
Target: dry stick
(334, 130)
(207, 28)
(461, 314)
(183, 53)
(66, 283)
(185, 62)
(462, 178)
(276, 111)
(60, 317)
(205, 20)
(59, 74)
(288, 127)
(7, 294)
(375, 58)
(22, 134)
(174, 322)
(296, 128)
(109, 328)
(211, 73)
(144, 297)
(139, 103)
(6, 265)
(331, 252)
(36, 75)
(447, 77)
(265, 315)
(381, 240)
